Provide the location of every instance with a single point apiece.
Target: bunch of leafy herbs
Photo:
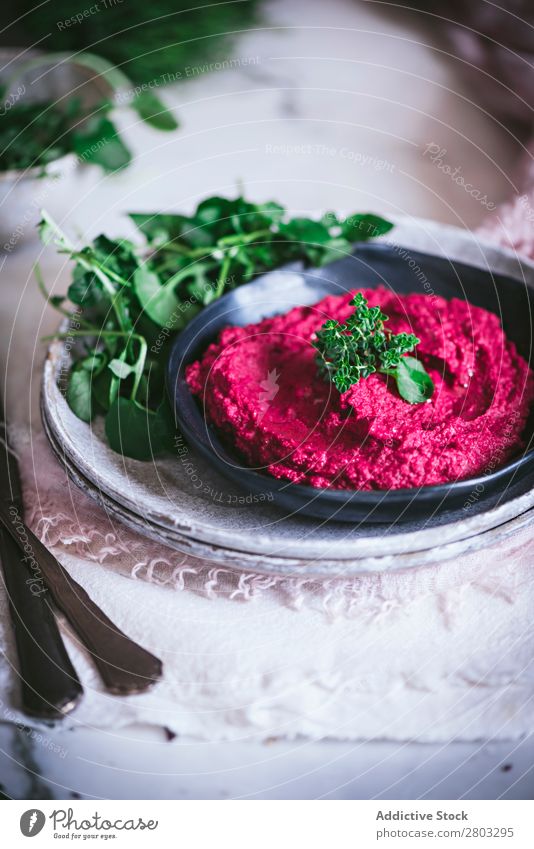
(361, 346)
(130, 300)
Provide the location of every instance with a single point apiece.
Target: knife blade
(50, 687)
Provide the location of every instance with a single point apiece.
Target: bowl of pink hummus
(247, 391)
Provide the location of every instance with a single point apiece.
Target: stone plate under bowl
(369, 266)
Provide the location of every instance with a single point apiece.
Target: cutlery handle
(125, 667)
(50, 687)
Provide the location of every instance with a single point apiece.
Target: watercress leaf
(160, 228)
(127, 429)
(334, 249)
(413, 381)
(217, 217)
(121, 369)
(213, 210)
(101, 389)
(163, 427)
(271, 211)
(79, 394)
(305, 230)
(97, 141)
(136, 431)
(266, 255)
(86, 289)
(360, 227)
(153, 112)
(159, 303)
(94, 362)
(249, 217)
(117, 255)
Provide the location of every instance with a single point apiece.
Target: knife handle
(124, 666)
(49, 683)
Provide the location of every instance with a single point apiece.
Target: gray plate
(181, 501)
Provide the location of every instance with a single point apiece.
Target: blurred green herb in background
(145, 40)
(35, 134)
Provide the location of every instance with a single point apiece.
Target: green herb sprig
(361, 346)
(132, 299)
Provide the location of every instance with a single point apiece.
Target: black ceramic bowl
(370, 265)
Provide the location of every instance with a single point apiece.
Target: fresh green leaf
(162, 228)
(334, 249)
(163, 427)
(305, 230)
(135, 431)
(153, 112)
(127, 429)
(413, 382)
(99, 143)
(159, 302)
(163, 40)
(215, 212)
(79, 394)
(86, 289)
(271, 212)
(156, 227)
(360, 228)
(102, 389)
(117, 256)
(94, 362)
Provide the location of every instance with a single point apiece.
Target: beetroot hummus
(259, 385)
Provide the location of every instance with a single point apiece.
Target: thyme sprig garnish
(361, 346)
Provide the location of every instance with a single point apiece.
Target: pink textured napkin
(69, 521)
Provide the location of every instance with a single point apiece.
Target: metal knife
(50, 687)
(124, 666)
